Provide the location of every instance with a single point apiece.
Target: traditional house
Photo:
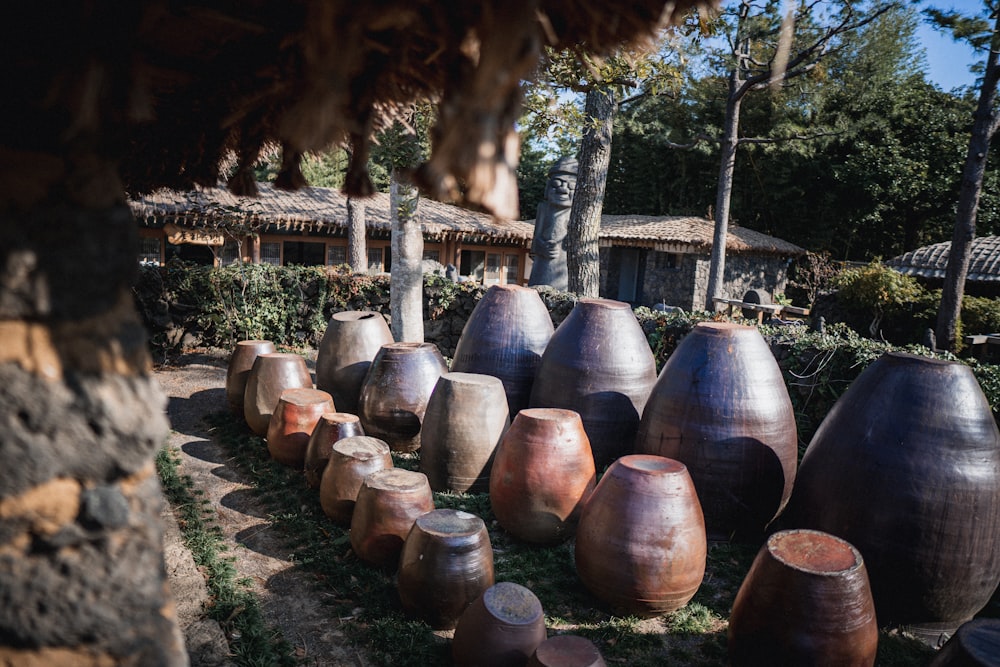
(930, 263)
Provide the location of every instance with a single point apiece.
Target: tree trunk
(583, 260)
(357, 234)
(406, 279)
(983, 128)
(724, 193)
(82, 576)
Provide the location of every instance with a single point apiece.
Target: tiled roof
(932, 261)
(686, 234)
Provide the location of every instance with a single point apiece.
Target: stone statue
(551, 223)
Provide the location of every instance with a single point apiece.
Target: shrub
(980, 315)
(875, 293)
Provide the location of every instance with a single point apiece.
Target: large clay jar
(505, 337)
(543, 474)
(446, 563)
(466, 417)
(567, 651)
(270, 375)
(805, 601)
(640, 545)
(351, 461)
(351, 341)
(331, 427)
(295, 416)
(395, 392)
(388, 503)
(240, 363)
(501, 628)
(599, 364)
(906, 467)
(720, 406)
(975, 644)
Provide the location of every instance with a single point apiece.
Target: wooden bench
(979, 344)
(760, 309)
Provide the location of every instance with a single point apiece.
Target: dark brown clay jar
(351, 460)
(446, 563)
(240, 363)
(640, 545)
(567, 651)
(501, 628)
(805, 601)
(270, 375)
(975, 644)
(395, 392)
(906, 467)
(466, 417)
(388, 503)
(599, 364)
(542, 476)
(350, 343)
(720, 406)
(505, 337)
(295, 416)
(331, 427)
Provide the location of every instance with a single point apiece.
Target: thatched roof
(687, 234)
(170, 89)
(932, 261)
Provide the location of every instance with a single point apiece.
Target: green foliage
(876, 290)
(980, 315)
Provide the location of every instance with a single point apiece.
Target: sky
(948, 61)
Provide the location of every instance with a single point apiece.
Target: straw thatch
(687, 234)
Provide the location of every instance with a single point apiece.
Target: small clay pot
(567, 651)
(388, 503)
(350, 342)
(240, 363)
(543, 474)
(331, 427)
(975, 644)
(270, 375)
(295, 416)
(805, 601)
(466, 417)
(351, 461)
(501, 628)
(446, 563)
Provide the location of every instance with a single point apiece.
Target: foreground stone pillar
(82, 579)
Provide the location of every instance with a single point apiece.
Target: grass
(694, 635)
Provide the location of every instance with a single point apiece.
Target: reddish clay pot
(240, 363)
(396, 390)
(640, 545)
(296, 415)
(351, 341)
(270, 375)
(446, 563)
(567, 651)
(351, 461)
(505, 337)
(388, 503)
(805, 601)
(906, 467)
(466, 417)
(599, 364)
(720, 406)
(975, 644)
(331, 427)
(501, 628)
(543, 474)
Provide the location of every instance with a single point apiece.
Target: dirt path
(195, 385)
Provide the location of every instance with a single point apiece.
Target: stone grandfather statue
(551, 223)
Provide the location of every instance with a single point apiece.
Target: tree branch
(793, 137)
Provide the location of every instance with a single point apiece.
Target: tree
(357, 234)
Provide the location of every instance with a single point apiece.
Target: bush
(980, 315)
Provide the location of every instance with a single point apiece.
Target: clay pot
(906, 467)
(271, 374)
(240, 363)
(502, 628)
(388, 503)
(805, 601)
(295, 416)
(542, 475)
(351, 341)
(331, 427)
(395, 392)
(599, 364)
(720, 406)
(351, 460)
(466, 417)
(976, 644)
(505, 337)
(567, 651)
(446, 563)
(640, 545)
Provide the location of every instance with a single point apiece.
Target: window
(472, 264)
(230, 253)
(149, 251)
(374, 260)
(492, 274)
(434, 255)
(668, 260)
(511, 266)
(336, 254)
(304, 253)
(270, 253)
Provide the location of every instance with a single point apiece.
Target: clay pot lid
(910, 358)
(281, 355)
(450, 523)
(254, 343)
(407, 347)
(652, 464)
(303, 396)
(568, 650)
(814, 551)
(355, 315)
(361, 447)
(512, 603)
(721, 327)
(604, 303)
(396, 479)
(473, 379)
(340, 418)
(550, 414)
(509, 287)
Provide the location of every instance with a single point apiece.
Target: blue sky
(948, 61)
